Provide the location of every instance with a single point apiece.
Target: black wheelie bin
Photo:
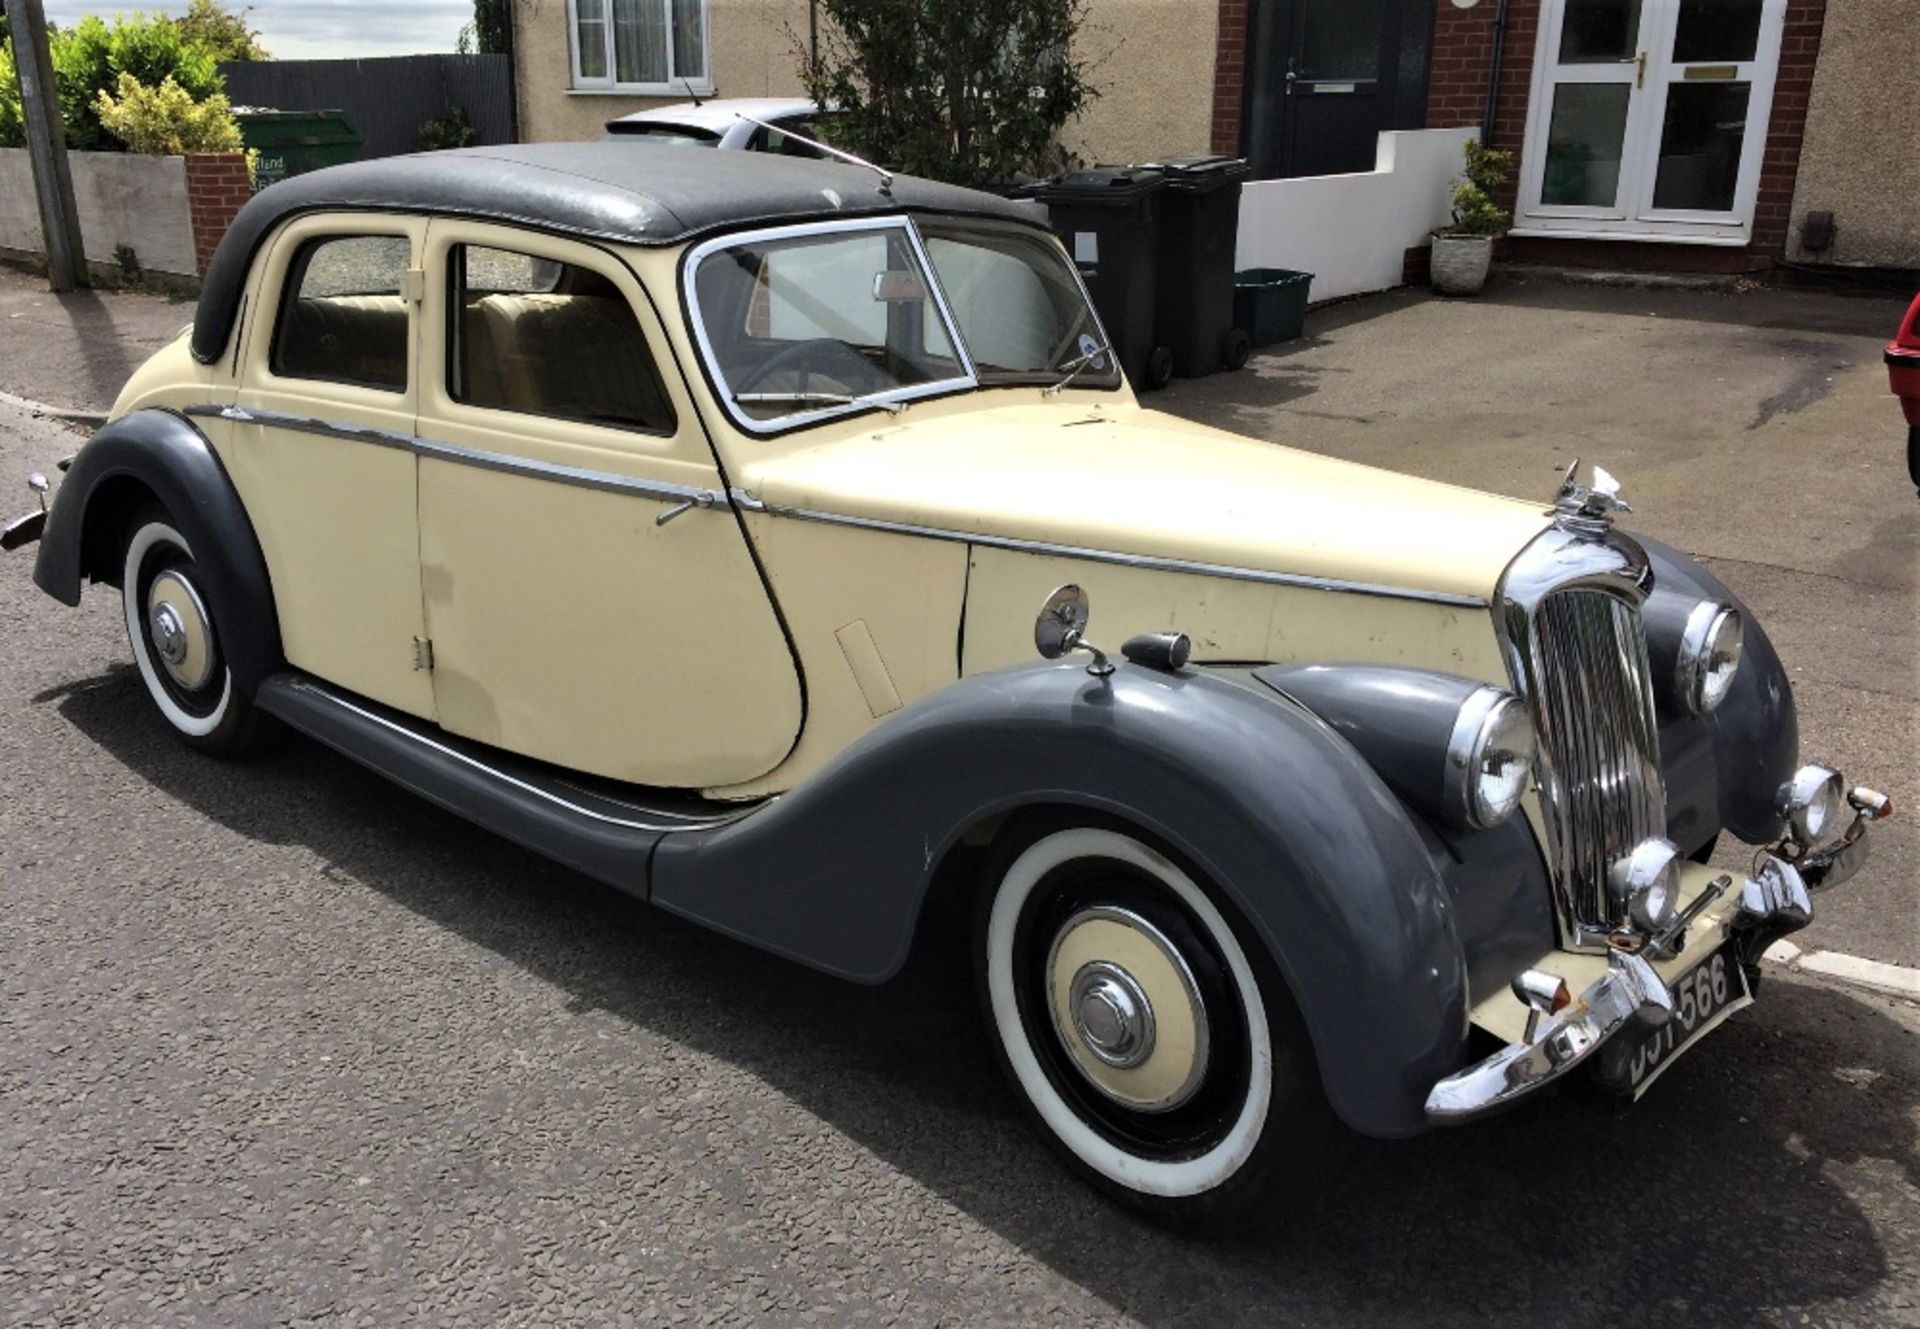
(1108, 218)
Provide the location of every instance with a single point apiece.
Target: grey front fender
(1259, 796)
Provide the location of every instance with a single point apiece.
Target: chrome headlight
(1489, 759)
(1647, 883)
(1813, 802)
(1710, 649)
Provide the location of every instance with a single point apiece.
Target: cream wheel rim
(1127, 1009)
(182, 634)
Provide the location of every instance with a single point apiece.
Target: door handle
(1640, 70)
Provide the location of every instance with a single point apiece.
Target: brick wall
(1799, 49)
(1457, 91)
(217, 188)
(1229, 76)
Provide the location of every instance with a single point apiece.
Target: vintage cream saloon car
(725, 527)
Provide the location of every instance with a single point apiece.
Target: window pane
(795, 324)
(345, 318)
(1583, 145)
(1019, 308)
(1717, 30)
(689, 41)
(1599, 31)
(1700, 146)
(547, 338)
(1340, 39)
(590, 36)
(639, 41)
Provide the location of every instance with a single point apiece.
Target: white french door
(1648, 118)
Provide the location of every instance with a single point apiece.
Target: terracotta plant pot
(1460, 263)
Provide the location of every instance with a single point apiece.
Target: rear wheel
(1161, 1055)
(177, 644)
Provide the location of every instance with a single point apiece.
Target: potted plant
(1463, 250)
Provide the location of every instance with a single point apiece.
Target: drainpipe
(1493, 74)
(813, 35)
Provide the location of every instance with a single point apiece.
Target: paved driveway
(280, 1044)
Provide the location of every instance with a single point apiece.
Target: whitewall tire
(1158, 1052)
(175, 641)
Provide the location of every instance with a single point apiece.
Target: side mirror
(1060, 629)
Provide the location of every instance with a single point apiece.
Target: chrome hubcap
(1112, 1014)
(1127, 1010)
(182, 635)
(169, 635)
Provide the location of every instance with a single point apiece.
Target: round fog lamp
(1647, 883)
(1710, 649)
(1813, 802)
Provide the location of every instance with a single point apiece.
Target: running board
(604, 829)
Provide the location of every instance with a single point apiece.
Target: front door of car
(322, 456)
(590, 596)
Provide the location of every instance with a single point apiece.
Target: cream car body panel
(337, 518)
(562, 615)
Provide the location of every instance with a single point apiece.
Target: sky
(316, 29)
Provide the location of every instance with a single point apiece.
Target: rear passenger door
(581, 611)
(322, 450)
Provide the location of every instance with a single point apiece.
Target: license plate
(1702, 997)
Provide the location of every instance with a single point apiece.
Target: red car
(1903, 374)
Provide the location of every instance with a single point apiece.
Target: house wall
(1352, 232)
(1152, 58)
(123, 199)
(1463, 46)
(1860, 158)
(751, 44)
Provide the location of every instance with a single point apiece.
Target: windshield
(803, 325)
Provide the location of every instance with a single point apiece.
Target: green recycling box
(293, 142)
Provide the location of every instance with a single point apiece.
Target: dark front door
(1324, 77)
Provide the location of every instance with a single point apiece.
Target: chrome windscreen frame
(1560, 559)
(969, 379)
(723, 392)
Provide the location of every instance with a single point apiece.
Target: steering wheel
(828, 357)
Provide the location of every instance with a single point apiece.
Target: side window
(344, 314)
(545, 338)
(783, 144)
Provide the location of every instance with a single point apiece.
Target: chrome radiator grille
(1592, 699)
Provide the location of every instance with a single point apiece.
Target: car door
(590, 596)
(321, 450)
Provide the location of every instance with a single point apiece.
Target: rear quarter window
(344, 316)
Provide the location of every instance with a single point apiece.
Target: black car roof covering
(630, 193)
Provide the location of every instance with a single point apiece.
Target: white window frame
(608, 85)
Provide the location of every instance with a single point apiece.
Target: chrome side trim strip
(684, 824)
(746, 502)
(660, 490)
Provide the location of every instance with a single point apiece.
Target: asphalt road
(279, 1044)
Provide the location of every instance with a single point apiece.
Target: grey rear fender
(1259, 797)
(157, 456)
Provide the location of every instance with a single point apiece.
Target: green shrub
(452, 128)
(1474, 211)
(224, 35)
(13, 126)
(166, 120)
(973, 93)
(90, 57)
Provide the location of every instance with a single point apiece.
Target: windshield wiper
(1073, 368)
(816, 399)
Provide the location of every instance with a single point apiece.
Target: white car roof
(719, 114)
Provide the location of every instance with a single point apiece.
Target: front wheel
(176, 643)
(1158, 1053)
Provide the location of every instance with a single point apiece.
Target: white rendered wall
(123, 199)
(1352, 231)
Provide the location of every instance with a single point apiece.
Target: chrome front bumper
(1775, 900)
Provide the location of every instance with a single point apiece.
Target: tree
(973, 93)
(493, 26)
(222, 33)
(167, 119)
(89, 58)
